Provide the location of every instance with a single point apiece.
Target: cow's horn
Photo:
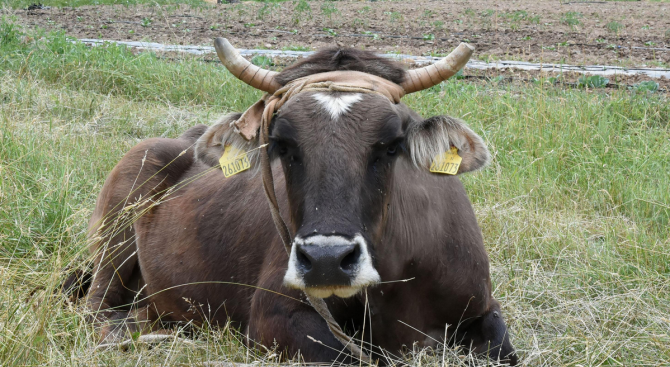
(245, 71)
(428, 76)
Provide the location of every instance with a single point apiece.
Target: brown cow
(178, 242)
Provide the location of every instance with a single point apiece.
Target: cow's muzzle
(326, 265)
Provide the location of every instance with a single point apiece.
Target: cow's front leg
(288, 321)
(487, 336)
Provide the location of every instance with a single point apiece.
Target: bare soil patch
(567, 79)
(548, 31)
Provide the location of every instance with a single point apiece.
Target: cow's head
(338, 151)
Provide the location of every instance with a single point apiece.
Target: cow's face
(338, 152)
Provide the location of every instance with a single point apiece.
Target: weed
(267, 8)
(470, 12)
(496, 79)
(394, 16)
(438, 24)
(358, 22)
(241, 12)
(329, 9)
(364, 10)
(601, 40)
(527, 38)
(301, 10)
(667, 33)
(330, 31)
(375, 36)
(516, 15)
(428, 37)
(614, 26)
(571, 18)
(487, 12)
(262, 61)
(551, 80)
(428, 13)
(646, 86)
(593, 81)
(9, 33)
(535, 19)
(146, 22)
(296, 48)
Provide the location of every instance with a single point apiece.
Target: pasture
(574, 208)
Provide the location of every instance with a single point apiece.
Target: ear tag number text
(447, 162)
(233, 161)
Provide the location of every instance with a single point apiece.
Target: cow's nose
(324, 265)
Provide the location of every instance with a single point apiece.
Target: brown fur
(207, 250)
(332, 59)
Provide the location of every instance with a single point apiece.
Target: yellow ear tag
(233, 161)
(447, 162)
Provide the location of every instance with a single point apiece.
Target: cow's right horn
(428, 76)
(245, 71)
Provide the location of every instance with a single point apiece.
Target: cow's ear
(429, 138)
(210, 146)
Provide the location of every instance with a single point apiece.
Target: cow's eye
(392, 150)
(282, 149)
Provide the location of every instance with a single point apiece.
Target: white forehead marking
(337, 105)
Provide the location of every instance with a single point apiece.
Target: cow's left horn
(245, 71)
(428, 76)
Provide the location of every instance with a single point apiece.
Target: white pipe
(417, 60)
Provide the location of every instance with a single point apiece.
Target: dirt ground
(538, 31)
(567, 79)
(582, 33)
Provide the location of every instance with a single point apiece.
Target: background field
(575, 207)
(592, 32)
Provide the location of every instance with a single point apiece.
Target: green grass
(575, 207)
(614, 26)
(571, 18)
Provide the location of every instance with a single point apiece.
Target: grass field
(575, 207)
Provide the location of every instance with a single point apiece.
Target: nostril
(351, 259)
(303, 260)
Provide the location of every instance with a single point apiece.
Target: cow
(394, 249)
